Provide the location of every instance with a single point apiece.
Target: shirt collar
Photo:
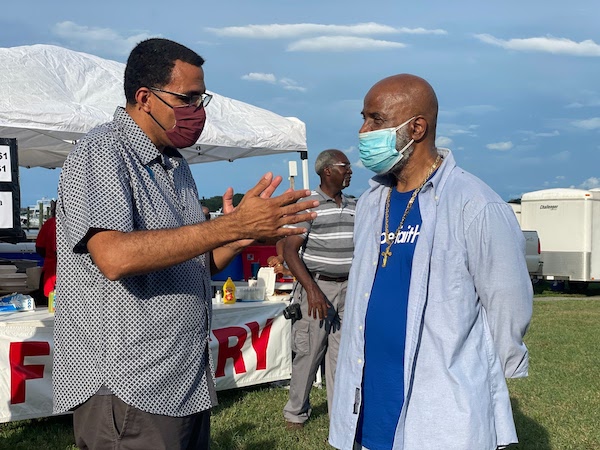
(144, 147)
(319, 191)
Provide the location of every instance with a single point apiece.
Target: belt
(341, 279)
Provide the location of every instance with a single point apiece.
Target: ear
(419, 128)
(142, 98)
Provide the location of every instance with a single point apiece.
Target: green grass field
(556, 408)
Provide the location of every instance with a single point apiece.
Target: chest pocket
(450, 279)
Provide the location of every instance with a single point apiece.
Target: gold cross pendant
(385, 256)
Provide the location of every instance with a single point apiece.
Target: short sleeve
(96, 194)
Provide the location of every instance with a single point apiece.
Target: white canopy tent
(50, 96)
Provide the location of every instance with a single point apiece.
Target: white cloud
(500, 146)
(282, 31)
(529, 134)
(468, 109)
(443, 141)
(590, 183)
(477, 109)
(557, 181)
(94, 39)
(544, 44)
(587, 124)
(470, 131)
(551, 134)
(286, 83)
(291, 85)
(594, 102)
(257, 76)
(341, 44)
(454, 129)
(358, 164)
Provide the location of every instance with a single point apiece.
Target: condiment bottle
(229, 291)
(51, 302)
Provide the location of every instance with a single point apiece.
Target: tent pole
(304, 158)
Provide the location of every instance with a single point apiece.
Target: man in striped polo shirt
(320, 261)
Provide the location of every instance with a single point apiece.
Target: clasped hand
(259, 216)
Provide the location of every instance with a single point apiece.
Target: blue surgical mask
(378, 148)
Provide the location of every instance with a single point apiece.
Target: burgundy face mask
(189, 123)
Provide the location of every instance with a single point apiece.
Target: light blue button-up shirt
(470, 304)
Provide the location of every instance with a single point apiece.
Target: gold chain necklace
(387, 253)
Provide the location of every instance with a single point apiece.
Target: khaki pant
(313, 342)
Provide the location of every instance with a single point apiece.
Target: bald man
(439, 297)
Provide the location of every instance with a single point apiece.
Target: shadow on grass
(545, 288)
(319, 410)
(49, 433)
(230, 439)
(532, 436)
(235, 438)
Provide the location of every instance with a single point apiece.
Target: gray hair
(326, 158)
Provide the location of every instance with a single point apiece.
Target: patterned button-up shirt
(145, 337)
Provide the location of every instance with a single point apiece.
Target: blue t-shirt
(385, 329)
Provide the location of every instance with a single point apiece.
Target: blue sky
(516, 81)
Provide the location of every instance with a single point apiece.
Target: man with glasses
(135, 255)
(321, 270)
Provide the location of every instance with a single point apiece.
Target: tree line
(216, 202)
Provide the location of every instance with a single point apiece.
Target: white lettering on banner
(408, 236)
(249, 345)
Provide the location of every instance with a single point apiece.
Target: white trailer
(516, 207)
(532, 243)
(568, 225)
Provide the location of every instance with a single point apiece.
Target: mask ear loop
(154, 118)
(404, 123)
(411, 142)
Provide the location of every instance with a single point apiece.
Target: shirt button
(360, 327)
(360, 361)
(366, 294)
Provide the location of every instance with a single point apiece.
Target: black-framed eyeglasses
(341, 164)
(201, 100)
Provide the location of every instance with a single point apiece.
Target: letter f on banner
(19, 372)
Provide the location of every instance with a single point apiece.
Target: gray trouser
(105, 422)
(312, 341)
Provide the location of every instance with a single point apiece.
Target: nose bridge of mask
(384, 131)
